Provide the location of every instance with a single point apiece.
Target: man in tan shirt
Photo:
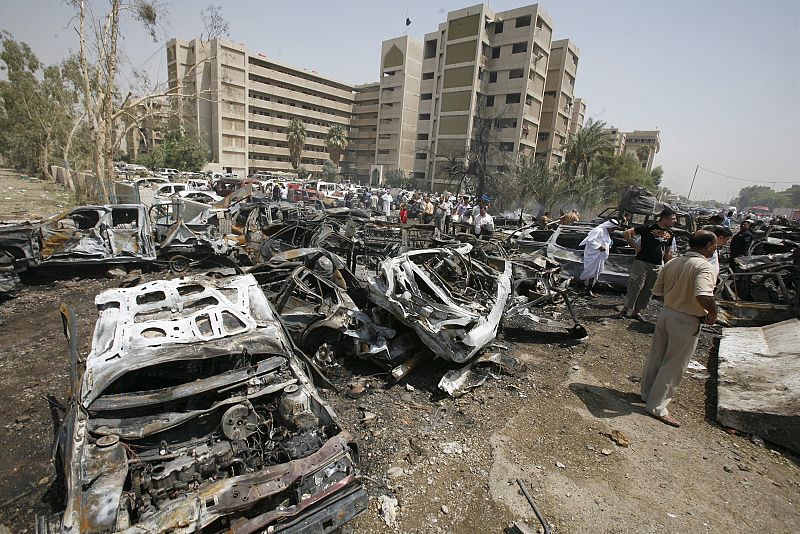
(687, 286)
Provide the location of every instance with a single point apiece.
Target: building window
(528, 100)
(498, 27)
(495, 52)
(425, 96)
(513, 74)
(430, 49)
(523, 21)
(512, 98)
(490, 101)
(492, 76)
(383, 151)
(507, 147)
(544, 136)
(518, 48)
(424, 116)
(422, 137)
(549, 93)
(421, 155)
(427, 75)
(419, 175)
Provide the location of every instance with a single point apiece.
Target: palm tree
(336, 141)
(296, 137)
(590, 142)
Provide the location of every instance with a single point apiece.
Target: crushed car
(194, 413)
(88, 235)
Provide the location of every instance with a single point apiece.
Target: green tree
(302, 173)
(643, 153)
(336, 142)
(296, 137)
(329, 171)
(398, 178)
(761, 195)
(592, 142)
(657, 173)
(36, 105)
(535, 182)
(178, 151)
(614, 174)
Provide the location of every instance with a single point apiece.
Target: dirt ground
(451, 464)
(30, 198)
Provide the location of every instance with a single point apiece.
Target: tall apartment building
(247, 101)
(363, 135)
(578, 116)
(481, 65)
(151, 117)
(643, 145)
(559, 94)
(401, 71)
(619, 139)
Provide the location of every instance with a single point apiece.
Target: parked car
(206, 197)
(167, 190)
(192, 413)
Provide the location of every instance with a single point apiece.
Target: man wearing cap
(687, 286)
(652, 252)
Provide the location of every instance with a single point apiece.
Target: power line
(749, 180)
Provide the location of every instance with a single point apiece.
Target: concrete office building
(578, 116)
(619, 139)
(643, 145)
(247, 101)
(559, 94)
(360, 154)
(481, 67)
(399, 101)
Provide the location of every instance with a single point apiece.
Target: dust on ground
(23, 198)
(451, 464)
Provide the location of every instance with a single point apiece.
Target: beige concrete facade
(147, 134)
(619, 139)
(485, 64)
(578, 116)
(247, 101)
(559, 96)
(643, 145)
(399, 101)
(363, 133)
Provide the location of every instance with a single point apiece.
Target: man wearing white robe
(387, 202)
(598, 246)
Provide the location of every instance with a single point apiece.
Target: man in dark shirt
(653, 250)
(740, 244)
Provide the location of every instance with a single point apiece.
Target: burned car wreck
(193, 413)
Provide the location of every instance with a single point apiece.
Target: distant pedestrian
(403, 213)
(653, 251)
(723, 237)
(373, 202)
(427, 213)
(386, 199)
(276, 193)
(483, 223)
(687, 286)
(741, 242)
(726, 222)
(596, 251)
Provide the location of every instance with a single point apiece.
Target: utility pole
(689, 196)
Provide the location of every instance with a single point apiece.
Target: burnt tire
(179, 264)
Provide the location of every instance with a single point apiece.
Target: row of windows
(263, 96)
(306, 120)
(304, 76)
(279, 144)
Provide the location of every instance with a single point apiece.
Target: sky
(719, 78)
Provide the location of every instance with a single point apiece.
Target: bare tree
(98, 64)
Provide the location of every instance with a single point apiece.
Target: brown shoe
(668, 419)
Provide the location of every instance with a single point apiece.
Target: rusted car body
(194, 414)
(86, 235)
